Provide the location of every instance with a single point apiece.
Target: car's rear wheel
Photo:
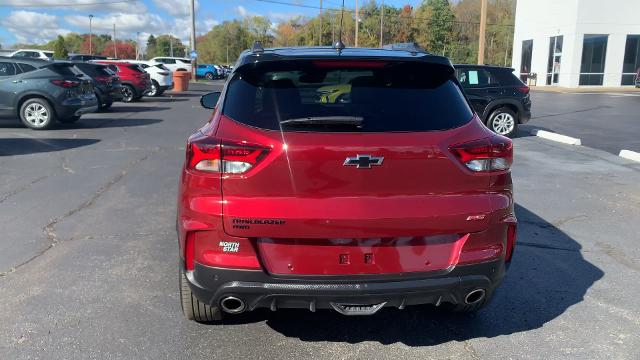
(37, 114)
(193, 308)
(154, 89)
(503, 121)
(209, 76)
(128, 93)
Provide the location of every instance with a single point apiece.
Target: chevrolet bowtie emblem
(363, 161)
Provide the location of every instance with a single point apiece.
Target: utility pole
(194, 61)
(138, 45)
(483, 30)
(320, 26)
(115, 49)
(382, 24)
(357, 23)
(90, 35)
(171, 45)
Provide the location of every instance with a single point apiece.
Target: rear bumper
(77, 106)
(258, 289)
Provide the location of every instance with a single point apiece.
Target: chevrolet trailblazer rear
(351, 180)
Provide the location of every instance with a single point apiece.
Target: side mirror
(210, 100)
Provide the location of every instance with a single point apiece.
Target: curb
(556, 137)
(630, 155)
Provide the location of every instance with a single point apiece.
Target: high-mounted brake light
(349, 64)
(226, 157)
(67, 84)
(486, 155)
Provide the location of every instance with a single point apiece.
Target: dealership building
(573, 43)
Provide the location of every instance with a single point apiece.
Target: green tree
(435, 21)
(60, 50)
(151, 46)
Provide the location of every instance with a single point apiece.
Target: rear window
(93, 70)
(26, 67)
(136, 68)
(354, 96)
(506, 77)
(65, 69)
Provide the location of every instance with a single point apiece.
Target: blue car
(207, 71)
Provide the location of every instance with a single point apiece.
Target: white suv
(33, 54)
(161, 76)
(174, 63)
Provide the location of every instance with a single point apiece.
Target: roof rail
(412, 47)
(257, 48)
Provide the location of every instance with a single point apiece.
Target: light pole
(90, 35)
(138, 45)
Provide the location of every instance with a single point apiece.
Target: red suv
(392, 194)
(135, 81)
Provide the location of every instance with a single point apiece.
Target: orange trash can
(181, 81)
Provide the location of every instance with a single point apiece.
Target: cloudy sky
(38, 21)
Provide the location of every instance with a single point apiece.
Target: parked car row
(43, 92)
(212, 71)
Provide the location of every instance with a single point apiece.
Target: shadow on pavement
(548, 275)
(23, 146)
(134, 108)
(107, 123)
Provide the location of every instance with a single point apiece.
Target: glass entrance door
(555, 59)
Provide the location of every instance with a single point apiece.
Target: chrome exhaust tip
(232, 305)
(475, 296)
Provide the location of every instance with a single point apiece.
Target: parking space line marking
(630, 155)
(556, 137)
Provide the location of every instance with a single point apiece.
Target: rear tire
(194, 309)
(209, 76)
(37, 114)
(155, 89)
(503, 121)
(128, 93)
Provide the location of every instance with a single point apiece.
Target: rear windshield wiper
(324, 120)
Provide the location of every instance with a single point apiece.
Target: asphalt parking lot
(88, 260)
(605, 121)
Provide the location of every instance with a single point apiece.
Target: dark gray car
(42, 93)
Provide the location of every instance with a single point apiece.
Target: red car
(395, 195)
(135, 81)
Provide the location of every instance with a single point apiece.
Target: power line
(69, 4)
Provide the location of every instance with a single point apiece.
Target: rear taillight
(523, 89)
(225, 157)
(486, 155)
(67, 84)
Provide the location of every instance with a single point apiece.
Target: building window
(553, 62)
(594, 53)
(631, 63)
(525, 60)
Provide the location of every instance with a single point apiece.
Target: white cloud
(177, 7)
(241, 11)
(126, 23)
(135, 6)
(33, 27)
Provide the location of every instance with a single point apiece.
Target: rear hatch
(72, 74)
(361, 181)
